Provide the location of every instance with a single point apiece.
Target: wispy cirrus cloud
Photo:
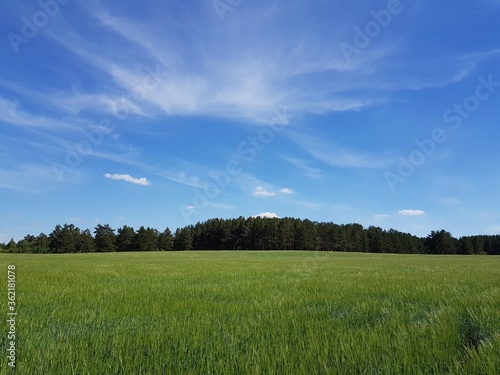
(261, 191)
(224, 78)
(151, 73)
(127, 178)
(337, 155)
(311, 172)
(412, 212)
(29, 177)
(221, 77)
(11, 113)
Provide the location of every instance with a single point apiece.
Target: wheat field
(273, 312)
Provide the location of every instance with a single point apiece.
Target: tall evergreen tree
(11, 246)
(64, 239)
(466, 247)
(183, 239)
(146, 239)
(125, 239)
(478, 244)
(305, 235)
(286, 235)
(376, 240)
(42, 244)
(105, 239)
(85, 242)
(441, 242)
(166, 240)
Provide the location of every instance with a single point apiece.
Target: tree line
(251, 234)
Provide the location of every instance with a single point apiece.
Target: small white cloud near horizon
(383, 216)
(127, 178)
(286, 191)
(411, 212)
(267, 215)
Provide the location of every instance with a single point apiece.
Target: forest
(252, 233)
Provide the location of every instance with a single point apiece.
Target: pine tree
(466, 247)
(64, 239)
(105, 239)
(85, 242)
(12, 246)
(146, 239)
(183, 239)
(166, 240)
(125, 239)
(441, 242)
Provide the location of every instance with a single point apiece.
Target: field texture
(253, 313)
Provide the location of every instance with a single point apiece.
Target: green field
(254, 313)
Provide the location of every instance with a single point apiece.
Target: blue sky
(377, 112)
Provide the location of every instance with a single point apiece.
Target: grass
(254, 313)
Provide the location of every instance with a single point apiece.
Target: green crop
(253, 313)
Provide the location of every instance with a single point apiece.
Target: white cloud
(411, 212)
(125, 177)
(262, 192)
(267, 215)
(286, 191)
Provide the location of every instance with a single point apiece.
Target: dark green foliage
(11, 246)
(42, 244)
(478, 244)
(441, 242)
(465, 246)
(26, 245)
(253, 233)
(64, 239)
(183, 239)
(305, 234)
(165, 240)
(286, 235)
(125, 239)
(85, 242)
(146, 239)
(105, 239)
